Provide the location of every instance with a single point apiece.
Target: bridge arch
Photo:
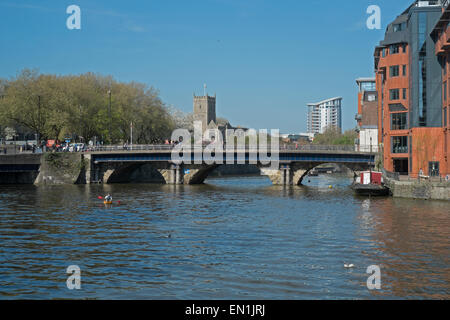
(198, 175)
(294, 165)
(132, 172)
(301, 173)
(287, 174)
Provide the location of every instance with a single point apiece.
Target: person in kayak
(108, 198)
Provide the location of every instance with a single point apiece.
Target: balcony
(443, 41)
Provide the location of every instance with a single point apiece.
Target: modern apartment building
(441, 37)
(324, 114)
(367, 116)
(409, 85)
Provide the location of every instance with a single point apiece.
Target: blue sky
(265, 59)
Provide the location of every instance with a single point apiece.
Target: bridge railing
(314, 147)
(146, 147)
(169, 147)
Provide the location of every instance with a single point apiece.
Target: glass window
(394, 71)
(399, 121)
(422, 91)
(393, 49)
(368, 86)
(404, 70)
(444, 64)
(400, 144)
(445, 91)
(445, 117)
(383, 52)
(404, 94)
(394, 94)
(404, 47)
(423, 21)
(433, 169)
(422, 28)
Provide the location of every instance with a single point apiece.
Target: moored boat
(370, 184)
(313, 173)
(370, 189)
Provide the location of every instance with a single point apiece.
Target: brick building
(441, 37)
(410, 99)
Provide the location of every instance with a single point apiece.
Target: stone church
(205, 112)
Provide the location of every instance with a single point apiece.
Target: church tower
(205, 110)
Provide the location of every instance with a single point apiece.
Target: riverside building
(409, 83)
(441, 37)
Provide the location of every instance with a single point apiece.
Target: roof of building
(443, 21)
(368, 79)
(392, 37)
(324, 101)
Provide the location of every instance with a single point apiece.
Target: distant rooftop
(324, 101)
(368, 79)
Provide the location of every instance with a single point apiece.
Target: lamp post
(38, 137)
(131, 138)
(109, 115)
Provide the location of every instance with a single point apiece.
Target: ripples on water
(234, 238)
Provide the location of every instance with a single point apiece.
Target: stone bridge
(113, 165)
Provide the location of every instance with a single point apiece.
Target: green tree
(333, 136)
(78, 106)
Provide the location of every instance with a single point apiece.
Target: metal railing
(129, 148)
(169, 147)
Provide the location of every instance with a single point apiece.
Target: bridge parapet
(225, 148)
(291, 164)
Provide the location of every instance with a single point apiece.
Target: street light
(109, 115)
(131, 138)
(39, 122)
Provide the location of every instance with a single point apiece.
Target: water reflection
(233, 238)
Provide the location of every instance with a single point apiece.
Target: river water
(233, 238)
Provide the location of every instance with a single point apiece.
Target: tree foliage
(181, 119)
(56, 107)
(332, 136)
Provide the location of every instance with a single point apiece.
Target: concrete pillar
(288, 176)
(173, 176)
(178, 179)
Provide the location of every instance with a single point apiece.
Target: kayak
(107, 202)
